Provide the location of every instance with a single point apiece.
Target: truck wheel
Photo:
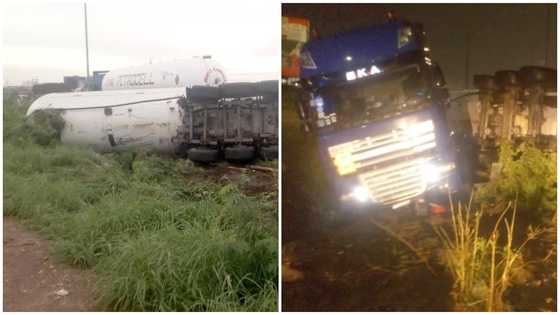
(269, 153)
(506, 78)
(203, 94)
(203, 155)
(484, 82)
(498, 97)
(237, 90)
(239, 153)
(532, 75)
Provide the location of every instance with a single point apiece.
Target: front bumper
(390, 163)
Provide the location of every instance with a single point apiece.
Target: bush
(527, 175)
(45, 126)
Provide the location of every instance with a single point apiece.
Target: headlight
(360, 194)
(430, 173)
(317, 101)
(405, 35)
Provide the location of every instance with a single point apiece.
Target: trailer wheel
(203, 155)
(237, 90)
(506, 78)
(497, 97)
(484, 82)
(532, 75)
(269, 153)
(239, 153)
(203, 94)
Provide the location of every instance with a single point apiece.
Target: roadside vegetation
(526, 174)
(516, 242)
(159, 233)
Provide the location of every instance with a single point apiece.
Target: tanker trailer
(237, 121)
(178, 73)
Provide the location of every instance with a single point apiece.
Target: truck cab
(377, 104)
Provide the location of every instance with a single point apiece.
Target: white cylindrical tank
(118, 120)
(180, 73)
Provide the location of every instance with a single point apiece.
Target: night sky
(502, 36)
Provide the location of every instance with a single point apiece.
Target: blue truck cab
(377, 104)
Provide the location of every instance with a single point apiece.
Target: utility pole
(467, 56)
(87, 48)
(547, 39)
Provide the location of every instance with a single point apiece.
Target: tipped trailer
(169, 74)
(517, 106)
(236, 121)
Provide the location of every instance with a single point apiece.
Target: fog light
(361, 194)
(430, 173)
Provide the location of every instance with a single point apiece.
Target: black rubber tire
(506, 78)
(484, 82)
(269, 153)
(239, 153)
(532, 75)
(238, 90)
(203, 94)
(203, 155)
(498, 97)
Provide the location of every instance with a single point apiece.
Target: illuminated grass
(482, 266)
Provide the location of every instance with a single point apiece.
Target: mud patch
(251, 182)
(34, 281)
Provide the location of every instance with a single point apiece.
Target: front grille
(391, 166)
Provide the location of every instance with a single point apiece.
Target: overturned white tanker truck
(236, 121)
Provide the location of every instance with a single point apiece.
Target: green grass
(159, 235)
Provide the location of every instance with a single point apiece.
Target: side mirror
(437, 76)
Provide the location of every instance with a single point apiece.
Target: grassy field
(160, 234)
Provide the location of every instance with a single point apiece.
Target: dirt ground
(251, 182)
(35, 281)
(334, 261)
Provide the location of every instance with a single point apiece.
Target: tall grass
(160, 235)
(482, 266)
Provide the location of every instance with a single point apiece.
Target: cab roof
(354, 49)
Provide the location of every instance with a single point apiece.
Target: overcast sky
(46, 40)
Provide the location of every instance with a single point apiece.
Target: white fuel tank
(118, 120)
(180, 73)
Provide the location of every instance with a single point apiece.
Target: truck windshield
(367, 99)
